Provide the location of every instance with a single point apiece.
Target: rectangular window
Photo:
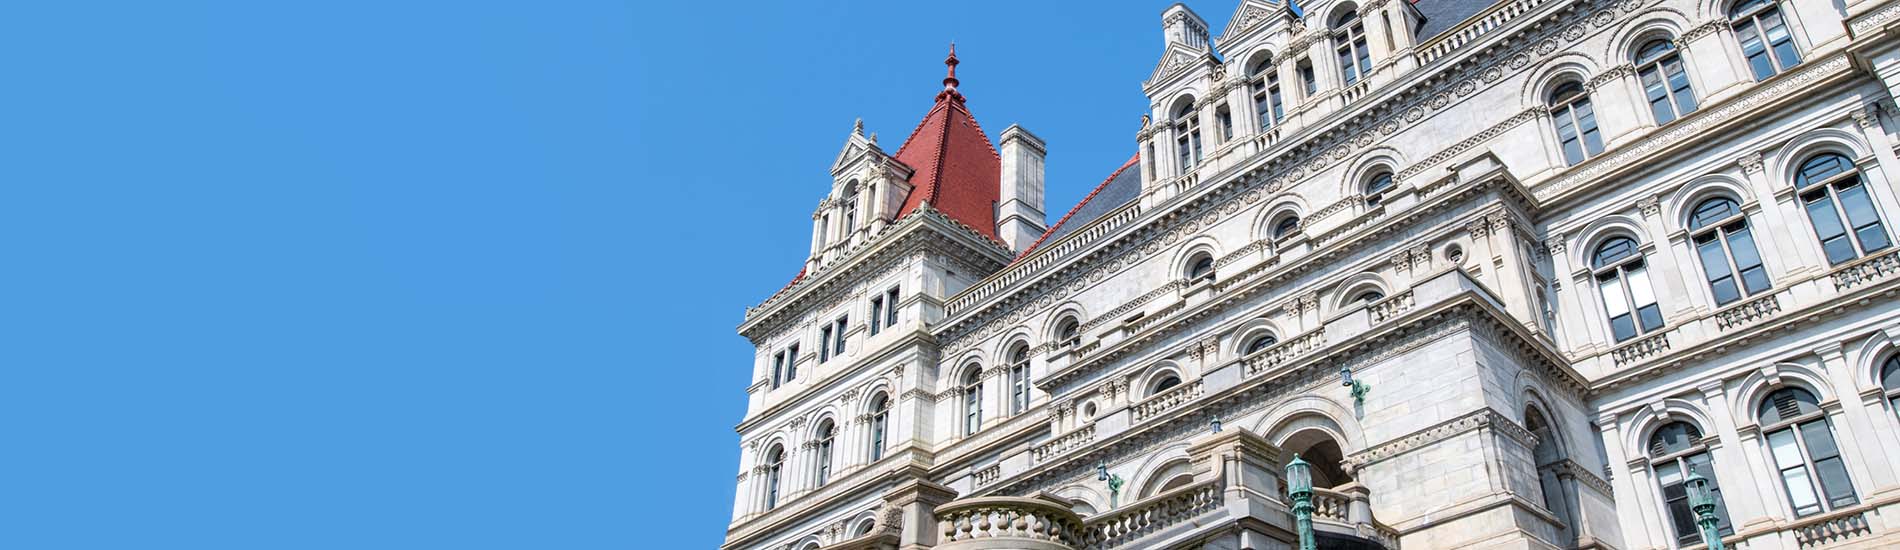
(1622, 324)
(778, 369)
(1307, 78)
(890, 311)
(1715, 266)
(1226, 124)
(1676, 497)
(1794, 473)
(877, 312)
(824, 344)
(791, 363)
(837, 347)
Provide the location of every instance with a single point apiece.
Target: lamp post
(1702, 501)
(1114, 483)
(1299, 486)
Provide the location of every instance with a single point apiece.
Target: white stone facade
(1560, 247)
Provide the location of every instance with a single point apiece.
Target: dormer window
(850, 208)
(1349, 40)
(1187, 134)
(1264, 82)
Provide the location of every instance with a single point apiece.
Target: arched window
(1375, 187)
(821, 454)
(850, 208)
(1764, 37)
(864, 527)
(1286, 226)
(1368, 296)
(1576, 122)
(1069, 331)
(1164, 384)
(1665, 84)
(973, 401)
(774, 466)
(1019, 379)
(1187, 135)
(1623, 283)
(880, 424)
(1830, 185)
(1802, 445)
(1264, 82)
(1727, 249)
(1258, 343)
(1890, 381)
(1546, 456)
(1200, 266)
(1675, 450)
(1349, 40)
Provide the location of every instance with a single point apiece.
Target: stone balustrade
(1264, 360)
(1129, 523)
(1640, 349)
(1014, 523)
(1833, 527)
(1168, 400)
(1867, 270)
(1747, 312)
(1331, 505)
(1069, 441)
(1392, 307)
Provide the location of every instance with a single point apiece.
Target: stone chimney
(1019, 217)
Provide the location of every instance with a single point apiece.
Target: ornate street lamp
(1299, 486)
(1114, 482)
(1702, 501)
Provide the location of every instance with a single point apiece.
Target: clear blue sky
(449, 274)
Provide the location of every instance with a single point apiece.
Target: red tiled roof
(1078, 206)
(954, 166)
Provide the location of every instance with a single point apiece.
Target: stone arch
(1155, 374)
(1167, 476)
(1788, 158)
(1184, 100)
(1190, 252)
(1378, 158)
(1338, 10)
(1561, 68)
(1247, 331)
(1015, 337)
(1153, 466)
(1606, 227)
(1631, 34)
(1874, 351)
(1064, 310)
(1348, 291)
(1080, 495)
(1757, 385)
(1281, 208)
(1644, 422)
(1684, 200)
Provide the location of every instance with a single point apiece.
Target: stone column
(1853, 431)
(1664, 268)
(913, 506)
(1635, 530)
(1730, 466)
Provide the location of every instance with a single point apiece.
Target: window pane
(1834, 482)
(1567, 138)
(1754, 50)
(1658, 96)
(1587, 125)
(1679, 85)
(1827, 226)
(1639, 285)
(1861, 214)
(1779, 39)
(1715, 266)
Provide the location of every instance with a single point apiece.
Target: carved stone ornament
(1649, 206)
(1750, 163)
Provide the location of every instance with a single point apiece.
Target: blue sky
(449, 274)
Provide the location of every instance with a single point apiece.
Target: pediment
(1176, 60)
(856, 146)
(1250, 15)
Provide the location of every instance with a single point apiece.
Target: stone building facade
(1504, 271)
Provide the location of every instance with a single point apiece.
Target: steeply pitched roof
(953, 165)
(1121, 186)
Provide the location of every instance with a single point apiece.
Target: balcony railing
(1137, 519)
(1168, 400)
(1264, 360)
(1867, 271)
(1391, 307)
(1007, 522)
(1069, 441)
